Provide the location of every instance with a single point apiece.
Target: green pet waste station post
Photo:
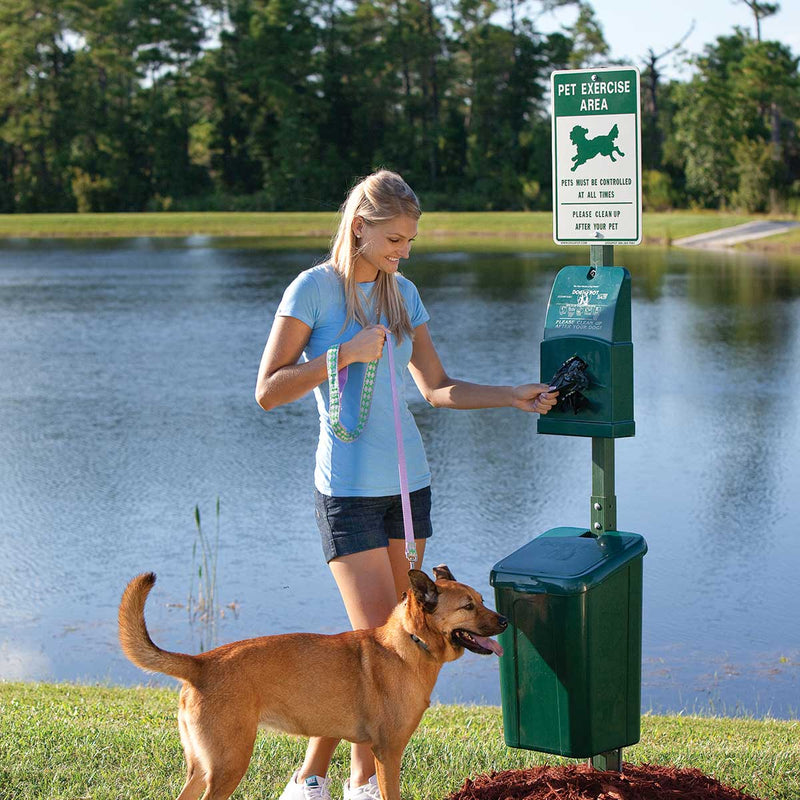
(570, 676)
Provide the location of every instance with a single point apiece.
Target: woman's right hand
(366, 345)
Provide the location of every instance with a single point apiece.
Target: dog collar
(417, 640)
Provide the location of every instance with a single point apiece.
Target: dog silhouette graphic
(589, 148)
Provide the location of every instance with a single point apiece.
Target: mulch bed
(583, 782)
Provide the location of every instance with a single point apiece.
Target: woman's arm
(442, 391)
(281, 379)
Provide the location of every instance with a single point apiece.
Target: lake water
(127, 371)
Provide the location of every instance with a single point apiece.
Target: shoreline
(728, 238)
(437, 228)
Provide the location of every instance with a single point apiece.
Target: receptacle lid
(567, 561)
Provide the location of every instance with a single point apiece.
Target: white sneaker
(312, 788)
(369, 791)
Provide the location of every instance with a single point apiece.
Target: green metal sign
(597, 191)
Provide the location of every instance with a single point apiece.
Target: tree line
(127, 105)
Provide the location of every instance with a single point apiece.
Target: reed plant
(203, 605)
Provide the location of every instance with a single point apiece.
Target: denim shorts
(350, 525)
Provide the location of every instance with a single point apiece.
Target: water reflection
(126, 399)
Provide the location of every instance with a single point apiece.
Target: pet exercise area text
(595, 88)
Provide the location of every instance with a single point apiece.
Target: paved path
(727, 237)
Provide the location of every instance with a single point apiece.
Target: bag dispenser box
(570, 674)
(589, 316)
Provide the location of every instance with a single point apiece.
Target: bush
(215, 201)
(755, 167)
(91, 191)
(657, 192)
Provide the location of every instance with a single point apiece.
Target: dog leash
(408, 525)
(336, 382)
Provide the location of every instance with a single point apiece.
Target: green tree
(760, 10)
(265, 100)
(37, 105)
(589, 46)
(503, 79)
(131, 72)
(741, 105)
(407, 72)
(657, 109)
(766, 88)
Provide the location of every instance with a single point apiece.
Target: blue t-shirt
(366, 467)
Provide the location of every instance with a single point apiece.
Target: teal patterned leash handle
(335, 395)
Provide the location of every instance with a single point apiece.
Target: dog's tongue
(488, 644)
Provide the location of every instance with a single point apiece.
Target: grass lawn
(69, 742)
(437, 229)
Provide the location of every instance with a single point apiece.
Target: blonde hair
(379, 197)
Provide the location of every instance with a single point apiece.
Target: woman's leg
(399, 562)
(318, 758)
(371, 587)
(367, 585)
(371, 583)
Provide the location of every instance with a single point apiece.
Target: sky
(632, 28)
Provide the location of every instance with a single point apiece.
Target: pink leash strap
(408, 526)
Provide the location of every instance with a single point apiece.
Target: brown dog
(366, 686)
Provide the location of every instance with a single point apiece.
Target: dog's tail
(136, 642)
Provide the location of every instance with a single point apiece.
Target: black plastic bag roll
(571, 380)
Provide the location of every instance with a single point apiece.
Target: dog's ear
(424, 590)
(442, 573)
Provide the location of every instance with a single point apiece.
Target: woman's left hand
(535, 397)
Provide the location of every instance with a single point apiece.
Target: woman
(354, 301)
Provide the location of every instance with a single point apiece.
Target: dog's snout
(502, 622)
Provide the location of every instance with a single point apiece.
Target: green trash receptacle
(570, 675)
